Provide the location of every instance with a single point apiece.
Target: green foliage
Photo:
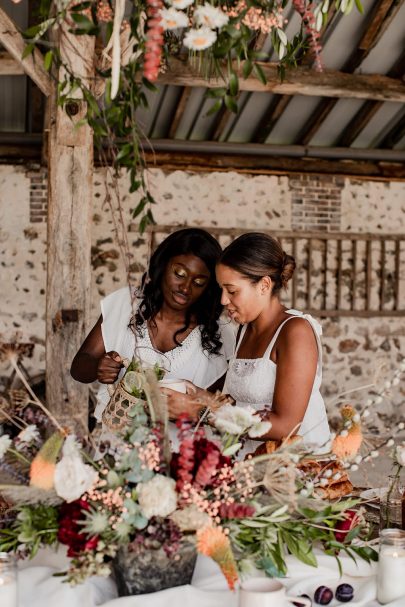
(35, 526)
(268, 537)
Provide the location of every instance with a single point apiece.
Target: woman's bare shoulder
(297, 330)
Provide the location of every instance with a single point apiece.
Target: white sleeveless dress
(188, 361)
(251, 382)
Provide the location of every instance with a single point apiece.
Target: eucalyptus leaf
(233, 85)
(215, 108)
(260, 73)
(231, 104)
(48, 60)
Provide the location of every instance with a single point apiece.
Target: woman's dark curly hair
(207, 308)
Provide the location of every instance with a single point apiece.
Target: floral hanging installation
(136, 40)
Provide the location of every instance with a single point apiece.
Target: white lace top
(251, 382)
(188, 361)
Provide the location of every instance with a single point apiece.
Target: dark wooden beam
(394, 135)
(380, 17)
(382, 14)
(359, 122)
(28, 148)
(222, 119)
(224, 115)
(277, 165)
(271, 117)
(280, 103)
(369, 108)
(180, 108)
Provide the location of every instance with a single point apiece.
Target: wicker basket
(115, 415)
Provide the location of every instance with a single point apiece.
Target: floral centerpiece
(139, 502)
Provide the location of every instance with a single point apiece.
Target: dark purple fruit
(323, 595)
(344, 593)
(298, 604)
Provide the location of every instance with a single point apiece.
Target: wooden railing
(337, 274)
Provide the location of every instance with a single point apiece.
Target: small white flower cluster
(207, 19)
(5, 444)
(29, 435)
(236, 421)
(399, 455)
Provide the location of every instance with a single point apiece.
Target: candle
(8, 581)
(8, 592)
(391, 566)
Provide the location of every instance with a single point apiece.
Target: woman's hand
(179, 403)
(109, 367)
(193, 403)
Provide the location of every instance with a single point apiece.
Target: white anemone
(210, 16)
(199, 39)
(180, 3)
(172, 19)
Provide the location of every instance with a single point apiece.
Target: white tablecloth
(38, 587)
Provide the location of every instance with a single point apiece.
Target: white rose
(71, 446)
(158, 496)
(400, 454)
(73, 477)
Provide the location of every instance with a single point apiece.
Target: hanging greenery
(136, 40)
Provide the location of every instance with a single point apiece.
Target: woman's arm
(193, 403)
(296, 359)
(92, 363)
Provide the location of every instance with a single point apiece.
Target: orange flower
(42, 473)
(346, 445)
(43, 465)
(212, 542)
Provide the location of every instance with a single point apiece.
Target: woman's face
(243, 300)
(185, 279)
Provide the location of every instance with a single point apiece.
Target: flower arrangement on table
(140, 498)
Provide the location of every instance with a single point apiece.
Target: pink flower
(154, 40)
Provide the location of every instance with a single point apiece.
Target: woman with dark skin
(175, 314)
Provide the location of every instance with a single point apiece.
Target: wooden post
(70, 196)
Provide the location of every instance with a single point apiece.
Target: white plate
(364, 589)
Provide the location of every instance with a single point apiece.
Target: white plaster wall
(23, 267)
(373, 206)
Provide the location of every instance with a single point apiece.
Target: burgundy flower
(198, 457)
(70, 530)
(342, 528)
(236, 510)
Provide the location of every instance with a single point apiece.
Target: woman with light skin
(277, 363)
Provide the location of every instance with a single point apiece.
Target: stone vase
(152, 570)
